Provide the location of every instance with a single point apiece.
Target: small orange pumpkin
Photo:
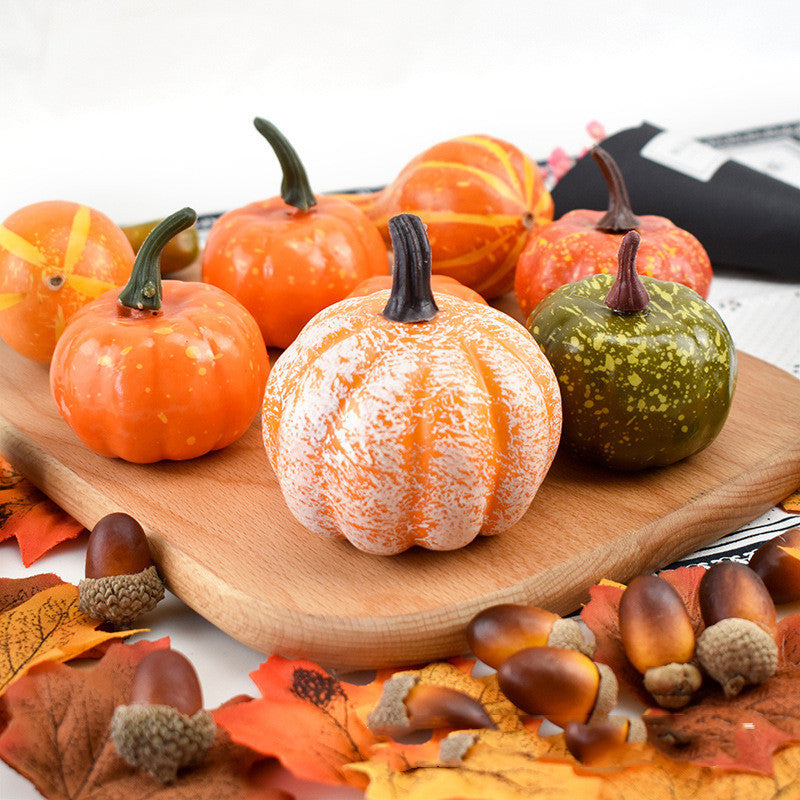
(145, 377)
(479, 197)
(396, 420)
(289, 257)
(55, 257)
(583, 243)
(439, 283)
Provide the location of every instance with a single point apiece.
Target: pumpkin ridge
(501, 154)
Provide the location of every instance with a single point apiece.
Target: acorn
(598, 742)
(406, 705)
(121, 581)
(164, 727)
(738, 646)
(499, 631)
(779, 568)
(658, 639)
(559, 684)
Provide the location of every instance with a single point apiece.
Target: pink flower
(596, 130)
(559, 162)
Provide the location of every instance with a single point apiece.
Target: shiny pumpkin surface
(439, 283)
(393, 434)
(285, 265)
(170, 385)
(571, 248)
(55, 257)
(479, 197)
(641, 390)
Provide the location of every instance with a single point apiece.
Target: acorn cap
(736, 652)
(568, 633)
(120, 599)
(160, 739)
(672, 685)
(607, 693)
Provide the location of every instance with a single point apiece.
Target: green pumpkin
(644, 383)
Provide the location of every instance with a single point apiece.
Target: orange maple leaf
(25, 513)
(46, 627)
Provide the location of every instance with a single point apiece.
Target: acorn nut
(659, 640)
(406, 705)
(121, 581)
(502, 630)
(164, 727)
(559, 684)
(593, 743)
(779, 568)
(738, 646)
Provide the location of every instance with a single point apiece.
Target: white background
(140, 108)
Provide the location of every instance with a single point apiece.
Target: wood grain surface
(226, 544)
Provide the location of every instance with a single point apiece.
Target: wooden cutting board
(226, 544)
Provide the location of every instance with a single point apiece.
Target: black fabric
(745, 220)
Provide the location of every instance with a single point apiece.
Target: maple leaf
(14, 591)
(46, 627)
(304, 718)
(792, 503)
(36, 521)
(58, 738)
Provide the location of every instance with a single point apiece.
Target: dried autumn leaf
(47, 627)
(304, 718)
(792, 503)
(37, 523)
(478, 765)
(58, 738)
(14, 591)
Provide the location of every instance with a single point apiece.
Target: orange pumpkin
(480, 198)
(396, 420)
(160, 371)
(55, 257)
(584, 243)
(439, 283)
(289, 257)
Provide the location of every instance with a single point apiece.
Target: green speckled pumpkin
(646, 368)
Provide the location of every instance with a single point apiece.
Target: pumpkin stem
(143, 289)
(411, 299)
(628, 295)
(619, 218)
(295, 188)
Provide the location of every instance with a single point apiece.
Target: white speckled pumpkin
(399, 423)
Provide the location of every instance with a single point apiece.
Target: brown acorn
(164, 727)
(559, 684)
(738, 646)
(779, 569)
(502, 630)
(406, 705)
(659, 640)
(121, 580)
(598, 742)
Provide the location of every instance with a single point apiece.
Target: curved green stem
(143, 289)
(295, 188)
(628, 295)
(619, 218)
(411, 299)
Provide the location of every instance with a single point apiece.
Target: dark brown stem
(411, 299)
(628, 295)
(619, 218)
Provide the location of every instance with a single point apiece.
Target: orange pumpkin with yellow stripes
(55, 257)
(480, 199)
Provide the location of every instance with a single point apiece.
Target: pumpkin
(396, 420)
(439, 283)
(647, 368)
(158, 371)
(55, 257)
(480, 198)
(584, 242)
(289, 257)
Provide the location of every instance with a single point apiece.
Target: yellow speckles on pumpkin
(202, 371)
(139, 366)
(192, 352)
(147, 390)
(104, 361)
(162, 416)
(126, 350)
(191, 440)
(163, 330)
(634, 379)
